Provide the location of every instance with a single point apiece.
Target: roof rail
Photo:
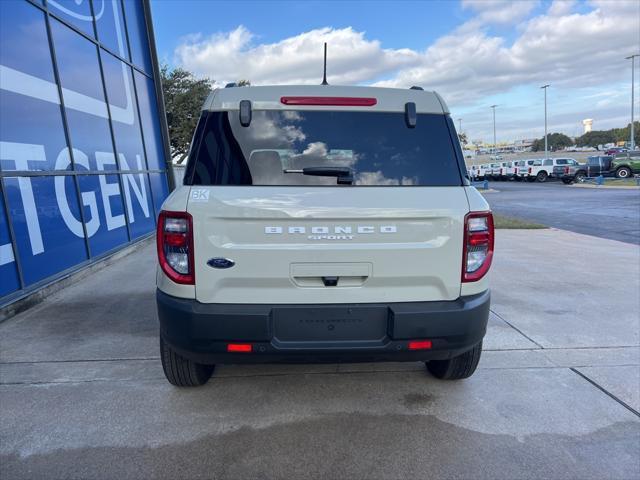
(230, 85)
(415, 87)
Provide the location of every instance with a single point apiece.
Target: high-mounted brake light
(478, 245)
(174, 239)
(331, 101)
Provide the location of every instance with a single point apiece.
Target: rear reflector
(330, 101)
(420, 345)
(239, 347)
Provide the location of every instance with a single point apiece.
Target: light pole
(493, 107)
(546, 146)
(460, 125)
(633, 63)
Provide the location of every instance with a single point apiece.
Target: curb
(608, 187)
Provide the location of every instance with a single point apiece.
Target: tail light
(175, 246)
(515, 170)
(566, 170)
(478, 245)
(530, 170)
(501, 170)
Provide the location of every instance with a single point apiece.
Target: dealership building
(83, 140)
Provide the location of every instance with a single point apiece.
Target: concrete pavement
(82, 393)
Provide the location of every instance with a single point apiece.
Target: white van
(323, 224)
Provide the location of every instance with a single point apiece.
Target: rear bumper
(322, 333)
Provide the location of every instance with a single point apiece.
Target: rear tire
(541, 177)
(567, 181)
(579, 178)
(180, 371)
(623, 172)
(456, 368)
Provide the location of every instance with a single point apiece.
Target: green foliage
(183, 98)
(601, 137)
(555, 141)
(463, 138)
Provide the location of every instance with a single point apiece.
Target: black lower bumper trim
(321, 332)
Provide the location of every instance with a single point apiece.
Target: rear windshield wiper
(344, 174)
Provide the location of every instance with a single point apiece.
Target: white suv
(321, 223)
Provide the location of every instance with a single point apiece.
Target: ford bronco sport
(323, 224)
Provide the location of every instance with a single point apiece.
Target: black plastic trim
(201, 331)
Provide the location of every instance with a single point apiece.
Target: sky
(475, 53)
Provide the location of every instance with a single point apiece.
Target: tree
(555, 141)
(595, 138)
(463, 138)
(243, 83)
(184, 95)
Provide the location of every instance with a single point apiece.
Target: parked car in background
(477, 172)
(541, 172)
(572, 172)
(615, 150)
(522, 167)
(627, 164)
(493, 171)
(623, 165)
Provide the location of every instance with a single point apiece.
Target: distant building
(588, 124)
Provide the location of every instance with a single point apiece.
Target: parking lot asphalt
(557, 393)
(607, 213)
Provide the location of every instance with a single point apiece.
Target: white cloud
(231, 56)
(570, 50)
(500, 11)
(561, 7)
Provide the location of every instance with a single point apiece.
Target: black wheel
(579, 178)
(531, 179)
(567, 181)
(180, 371)
(541, 177)
(456, 368)
(623, 172)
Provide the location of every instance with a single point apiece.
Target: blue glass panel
(137, 30)
(32, 135)
(124, 114)
(159, 189)
(46, 222)
(76, 12)
(150, 122)
(139, 203)
(110, 25)
(9, 281)
(87, 114)
(103, 212)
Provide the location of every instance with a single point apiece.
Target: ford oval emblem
(221, 263)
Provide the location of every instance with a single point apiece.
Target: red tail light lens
(330, 101)
(175, 246)
(530, 169)
(478, 245)
(566, 170)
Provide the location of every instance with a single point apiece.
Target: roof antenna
(324, 76)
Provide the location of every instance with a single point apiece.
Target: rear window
(276, 148)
